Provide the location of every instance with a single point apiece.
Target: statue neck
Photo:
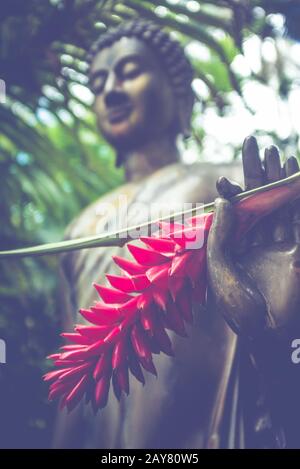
(145, 160)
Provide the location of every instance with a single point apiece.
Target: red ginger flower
(154, 294)
(129, 324)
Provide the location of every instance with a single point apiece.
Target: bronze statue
(143, 102)
(256, 288)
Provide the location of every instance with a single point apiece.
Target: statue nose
(114, 94)
(112, 84)
(115, 98)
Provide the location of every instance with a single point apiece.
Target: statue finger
(227, 188)
(254, 177)
(276, 224)
(252, 165)
(282, 231)
(272, 164)
(292, 167)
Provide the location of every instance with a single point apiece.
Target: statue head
(141, 80)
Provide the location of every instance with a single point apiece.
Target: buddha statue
(211, 393)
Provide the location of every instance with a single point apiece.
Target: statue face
(134, 102)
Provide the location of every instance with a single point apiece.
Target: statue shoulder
(212, 171)
(192, 182)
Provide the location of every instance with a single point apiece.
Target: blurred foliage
(53, 162)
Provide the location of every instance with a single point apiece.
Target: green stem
(121, 237)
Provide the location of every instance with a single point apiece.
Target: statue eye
(98, 84)
(131, 69)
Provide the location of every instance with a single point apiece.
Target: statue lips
(118, 113)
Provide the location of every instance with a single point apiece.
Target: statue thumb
(221, 233)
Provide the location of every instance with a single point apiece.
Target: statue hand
(256, 287)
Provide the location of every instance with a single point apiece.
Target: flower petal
(101, 391)
(123, 378)
(135, 368)
(93, 333)
(128, 266)
(159, 244)
(97, 319)
(140, 343)
(128, 284)
(76, 338)
(119, 355)
(111, 295)
(101, 367)
(147, 257)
